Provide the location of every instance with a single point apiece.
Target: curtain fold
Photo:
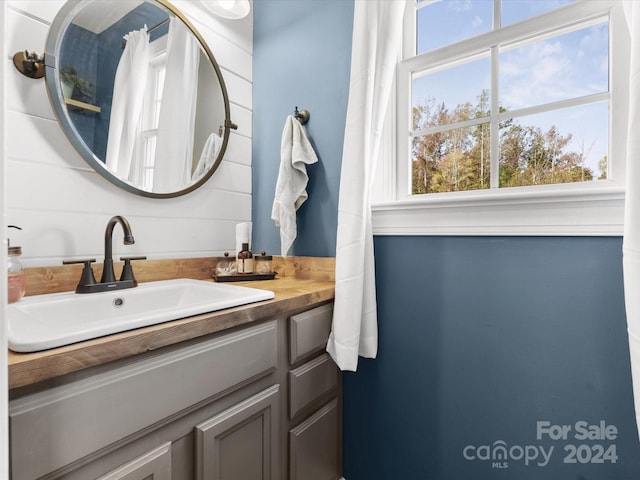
(174, 148)
(631, 241)
(377, 38)
(126, 107)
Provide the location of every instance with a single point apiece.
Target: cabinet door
(153, 465)
(241, 442)
(313, 446)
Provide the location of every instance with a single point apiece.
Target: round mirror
(138, 93)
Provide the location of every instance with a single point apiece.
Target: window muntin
(533, 74)
(517, 10)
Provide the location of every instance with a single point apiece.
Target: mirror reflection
(138, 93)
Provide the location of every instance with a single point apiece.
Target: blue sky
(559, 68)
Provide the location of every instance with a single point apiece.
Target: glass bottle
(245, 260)
(17, 281)
(262, 263)
(226, 265)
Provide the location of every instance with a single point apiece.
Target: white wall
(4, 415)
(63, 205)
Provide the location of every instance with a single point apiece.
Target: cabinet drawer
(309, 332)
(310, 381)
(61, 425)
(314, 449)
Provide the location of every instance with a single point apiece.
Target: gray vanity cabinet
(257, 402)
(92, 423)
(314, 392)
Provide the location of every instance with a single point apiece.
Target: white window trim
(580, 209)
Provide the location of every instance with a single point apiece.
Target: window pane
(559, 68)
(562, 146)
(149, 162)
(451, 161)
(160, 73)
(453, 95)
(516, 10)
(449, 21)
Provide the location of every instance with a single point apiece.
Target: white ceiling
(113, 11)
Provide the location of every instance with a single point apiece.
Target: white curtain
(377, 38)
(631, 242)
(126, 107)
(174, 148)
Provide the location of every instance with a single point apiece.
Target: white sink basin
(47, 321)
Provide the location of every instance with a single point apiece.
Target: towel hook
(29, 63)
(302, 116)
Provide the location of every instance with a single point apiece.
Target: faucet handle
(127, 270)
(87, 277)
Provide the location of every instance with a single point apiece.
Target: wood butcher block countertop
(300, 282)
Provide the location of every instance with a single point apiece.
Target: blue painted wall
(302, 57)
(480, 338)
(79, 50)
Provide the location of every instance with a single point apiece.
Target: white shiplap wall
(63, 205)
(4, 414)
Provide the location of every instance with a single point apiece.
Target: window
(510, 118)
(146, 147)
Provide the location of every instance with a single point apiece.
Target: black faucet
(108, 281)
(107, 270)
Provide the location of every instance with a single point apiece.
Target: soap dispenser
(17, 279)
(244, 260)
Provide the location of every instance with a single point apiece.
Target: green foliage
(603, 166)
(83, 89)
(69, 74)
(459, 159)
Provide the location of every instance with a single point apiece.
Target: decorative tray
(244, 277)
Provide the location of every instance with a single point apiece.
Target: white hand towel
(296, 153)
(208, 156)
